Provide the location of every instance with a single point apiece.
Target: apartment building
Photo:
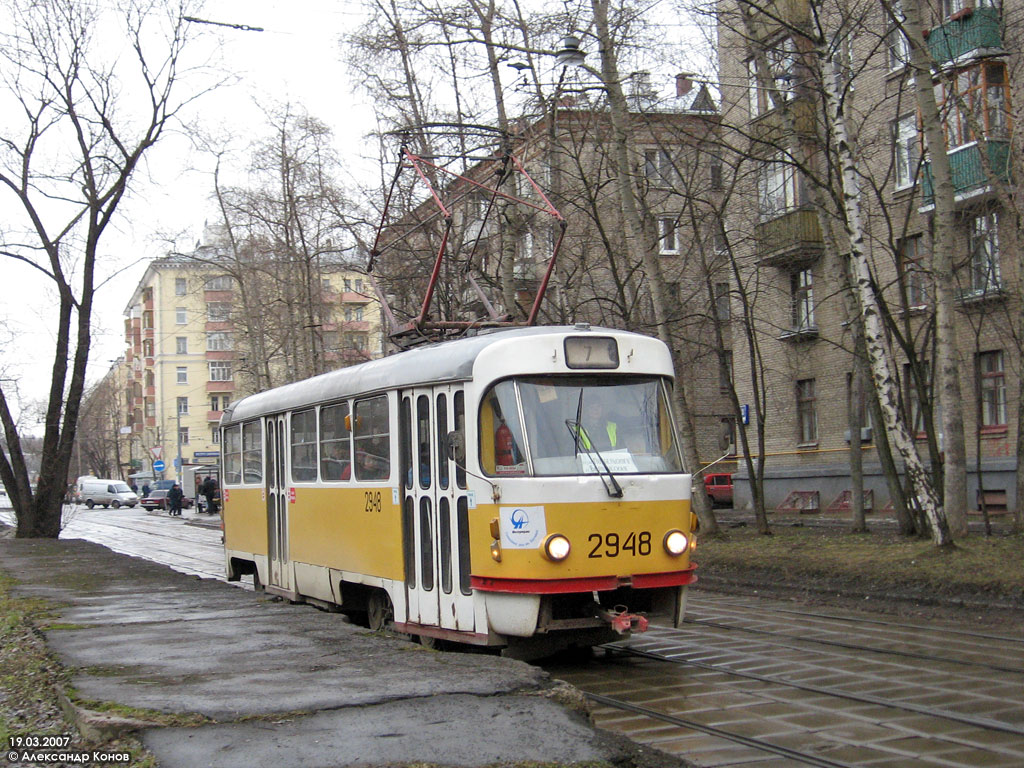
(567, 148)
(786, 235)
(193, 348)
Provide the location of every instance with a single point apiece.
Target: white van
(108, 493)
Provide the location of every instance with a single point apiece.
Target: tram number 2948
(373, 501)
(612, 544)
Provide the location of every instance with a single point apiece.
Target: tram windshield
(577, 425)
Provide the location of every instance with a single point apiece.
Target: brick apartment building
(788, 247)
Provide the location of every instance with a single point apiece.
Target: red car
(719, 488)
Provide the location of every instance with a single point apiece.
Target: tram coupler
(622, 621)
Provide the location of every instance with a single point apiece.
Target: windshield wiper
(611, 485)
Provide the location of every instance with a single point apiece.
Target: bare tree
(80, 125)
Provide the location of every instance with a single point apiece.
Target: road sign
(177, 463)
(159, 466)
(157, 451)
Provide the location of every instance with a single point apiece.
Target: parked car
(719, 488)
(158, 500)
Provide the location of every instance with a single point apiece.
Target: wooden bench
(995, 501)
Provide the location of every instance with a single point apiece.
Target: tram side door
(419, 506)
(435, 510)
(277, 503)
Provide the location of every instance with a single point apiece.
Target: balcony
(971, 33)
(220, 386)
(214, 416)
(790, 240)
(969, 174)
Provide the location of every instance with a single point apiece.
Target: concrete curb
(99, 727)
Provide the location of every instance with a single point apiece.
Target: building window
(183, 435)
(359, 285)
(348, 285)
(181, 345)
(777, 188)
(219, 341)
(715, 169)
(667, 243)
(722, 309)
(725, 372)
(914, 395)
(215, 435)
(147, 347)
(983, 241)
(150, 407)
(978, 95)
(214, 402)
(220, 283)
(180, 286)
(781, 72)
(906, 151)
(658, 168)
(993, 389)
(182, 372)
(913, 271)
(896, 42)
(806, 411)
(802, 292)
(180, 316)
(218, 311)
(220, 370)
(183, 406)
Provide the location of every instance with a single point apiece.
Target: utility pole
(178, 466)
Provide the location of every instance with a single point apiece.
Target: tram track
(863, 698)
(761, 745)
(921, 656)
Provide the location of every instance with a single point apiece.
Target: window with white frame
(906, 150)
(806, 412)
(777, 188)
(183, 435)
(180, 316)
(983, 241)
(181, 345)
(218, 311)
(667, 242)
(183, 406)
(180, 286)
(524, 259)
(802, 292)
(722, 308)
(220, 283)
(182, 374)
(658, 168)
(781, 60)
(896, 43)
(219, 341)
(220, 370)
(993, 389)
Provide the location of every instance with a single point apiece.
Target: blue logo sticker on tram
(522, 527)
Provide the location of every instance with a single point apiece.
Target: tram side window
(501, 433)
(372, 439)
(335, 448)
(303, 442)
(233, 455)
(252, 453)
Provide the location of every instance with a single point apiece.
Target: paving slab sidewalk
(276, 683)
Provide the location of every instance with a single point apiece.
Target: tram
(519, 488)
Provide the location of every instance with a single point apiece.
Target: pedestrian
(209, 490)
(134, 487)
(145, 490)
(174, 498)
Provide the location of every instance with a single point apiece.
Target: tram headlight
(556, 547)
(675, 542)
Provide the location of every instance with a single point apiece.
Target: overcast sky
(295, 58)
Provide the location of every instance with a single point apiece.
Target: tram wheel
(379, 613)
(433, 643)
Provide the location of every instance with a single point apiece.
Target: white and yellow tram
(521, 488)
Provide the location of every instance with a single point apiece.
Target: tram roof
(440, 362)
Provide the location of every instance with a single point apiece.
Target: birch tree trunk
(874, 331)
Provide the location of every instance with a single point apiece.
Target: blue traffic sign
(159, 466)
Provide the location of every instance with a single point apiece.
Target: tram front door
(277, 505)
(435, 510)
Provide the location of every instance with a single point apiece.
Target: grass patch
(884, 560)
